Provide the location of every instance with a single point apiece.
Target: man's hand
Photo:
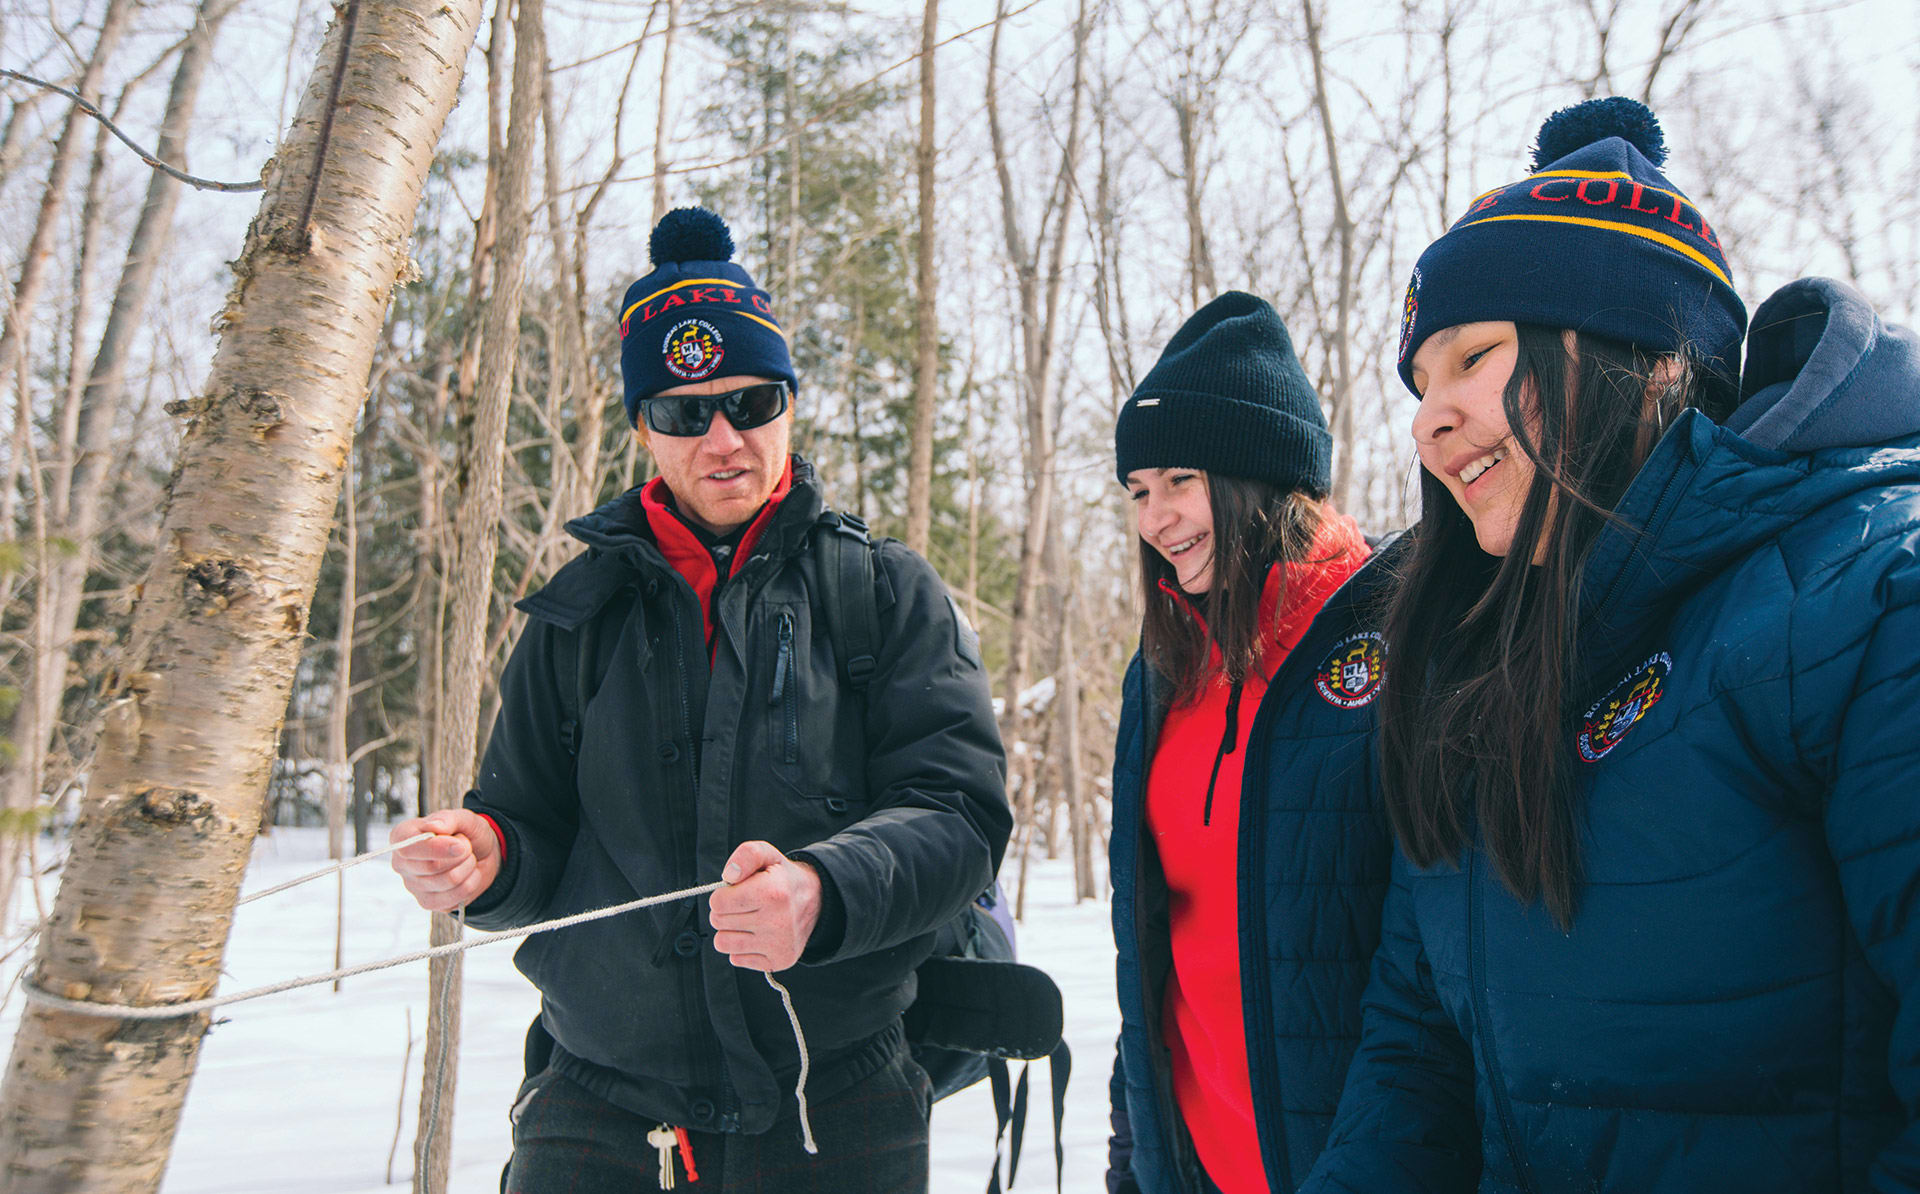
(763, 918)
(449, 870)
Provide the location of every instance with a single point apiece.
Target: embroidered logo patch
(1409, 312)
(1624, 705)
(693, 349)
(1350, 675)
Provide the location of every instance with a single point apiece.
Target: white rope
(168, 1011)
(800, 1086)
(277, 888)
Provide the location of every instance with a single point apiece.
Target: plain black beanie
(1228, 395)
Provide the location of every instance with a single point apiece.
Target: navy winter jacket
(1737, 1005)
(1315, 851)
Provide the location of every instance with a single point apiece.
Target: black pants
(872, 1138)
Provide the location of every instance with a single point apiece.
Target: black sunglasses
(690, 414)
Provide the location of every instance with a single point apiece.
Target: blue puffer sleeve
(1406, 1122)
(1856, 694)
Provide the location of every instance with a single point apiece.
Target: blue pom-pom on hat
(1573, 128)
(690, 234)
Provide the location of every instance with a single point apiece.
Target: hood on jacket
(1832, 414)
(1824, 371)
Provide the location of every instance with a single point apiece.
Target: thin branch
(204, 184)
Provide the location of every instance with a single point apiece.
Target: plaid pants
(872, 1138)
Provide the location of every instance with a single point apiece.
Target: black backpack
(976, 1007)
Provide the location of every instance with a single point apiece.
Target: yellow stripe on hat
(727, 282)
(763, 323)
(1589, 174)
(1662, 238)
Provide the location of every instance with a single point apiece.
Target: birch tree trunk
(476, 539)
(926, 367)
(143, 914)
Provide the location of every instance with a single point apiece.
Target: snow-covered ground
(299, 1093)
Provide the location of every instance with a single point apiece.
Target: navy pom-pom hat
(1596, 239)
(697, 315)
(1228, 395)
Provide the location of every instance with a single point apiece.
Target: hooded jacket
(1312, 871)
(1737, 1004)
(896, 795)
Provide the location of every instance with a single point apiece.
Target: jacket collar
(1338, 551)
(621, 544)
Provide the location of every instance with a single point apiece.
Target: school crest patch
(1350, 675)
(1610, 717)
(693, 349)
(1409, 312)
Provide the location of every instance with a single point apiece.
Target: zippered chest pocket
(803, 742)
(786, 692)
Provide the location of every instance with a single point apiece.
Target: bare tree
(53, 198)
(78, 489)
(1200, 43)
(143, 912)
(1039, 273)
(1342, 396)
(926, 314)
(476, 538)
(660, 115)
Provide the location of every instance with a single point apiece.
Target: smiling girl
(1248, 858)
(1649, 740)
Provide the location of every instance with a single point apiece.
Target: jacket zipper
(693, 987)
(686, 702)
(786, 689)
(1175, 1142)
(1476, 954)
(1229, 742)
(1255, 995)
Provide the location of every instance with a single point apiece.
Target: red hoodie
(1198, 847)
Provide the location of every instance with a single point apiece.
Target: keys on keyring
(663, 1139)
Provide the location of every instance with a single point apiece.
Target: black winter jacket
(896, 796)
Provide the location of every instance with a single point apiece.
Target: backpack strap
(846, 592)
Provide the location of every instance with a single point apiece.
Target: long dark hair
(1255, 525)
(1471, 716)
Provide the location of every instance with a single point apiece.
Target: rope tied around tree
(167, 1011)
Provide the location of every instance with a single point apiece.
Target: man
(721, 737)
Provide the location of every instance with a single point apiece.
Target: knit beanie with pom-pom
(697, 315)
(1596, 239)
